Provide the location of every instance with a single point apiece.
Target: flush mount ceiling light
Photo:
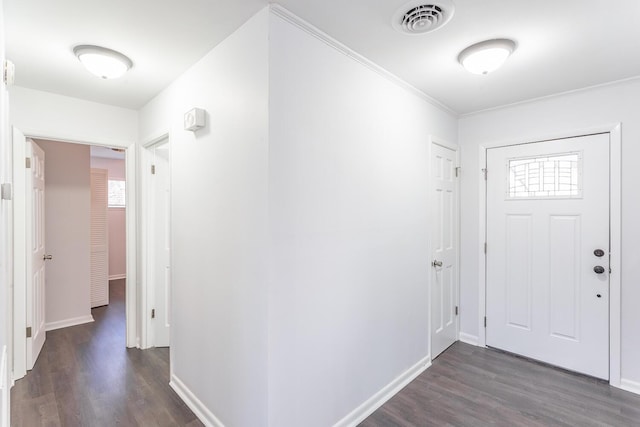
(102, 62)
(486, 56)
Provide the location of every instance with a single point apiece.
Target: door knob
(47, 257)
(598, 269)
(436, 263)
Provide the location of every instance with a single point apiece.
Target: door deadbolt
(599, 253)
(598, 269)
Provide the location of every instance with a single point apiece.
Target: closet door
(99, 239)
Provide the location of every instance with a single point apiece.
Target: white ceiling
(106, 153)
(162, 37)
(562, 44)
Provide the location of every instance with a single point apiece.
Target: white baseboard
(190, 399)
(628, 385)
(4, 389)
(468, 338)
(117, 277)
(387, 392)
(68, 322)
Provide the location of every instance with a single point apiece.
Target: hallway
(86, 377)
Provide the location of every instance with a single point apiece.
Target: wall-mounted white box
(194, 119)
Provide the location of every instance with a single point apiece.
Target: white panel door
(161, 244)
(444, 232)
(547, 221)
(99, 258)
(36, 253)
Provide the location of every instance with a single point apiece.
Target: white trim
(482, 263)
(628, 385)
(155, 138)
(131, 247)
(545, 97)
(615, 220)
(444, 143)
(74, 321)
(190, 399)
(615, 248)
(118, 277)
(468, 338)
(305, 26)
(19, 231)
(370, 405)
(145, 297)
(76, 139)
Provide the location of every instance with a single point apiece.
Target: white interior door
(99, 258)
(548, 252)
(160, 243)
(36, 332)
(444, 268)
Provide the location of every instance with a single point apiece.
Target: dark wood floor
(86, 377)
(472, 386)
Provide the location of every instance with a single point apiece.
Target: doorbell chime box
(194, 119)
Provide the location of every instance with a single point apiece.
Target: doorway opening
(70, 220)
(445, 245)
(156, 242)
(557, 274)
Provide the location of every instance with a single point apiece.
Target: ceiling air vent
(419, 18)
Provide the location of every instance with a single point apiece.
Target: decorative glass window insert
(553, 176)
(117, 194)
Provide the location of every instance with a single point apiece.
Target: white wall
(116, 218)
(544, 118)
(51, 116)
(44, 114)
(67, 233)
(348, 204)
(219, 225)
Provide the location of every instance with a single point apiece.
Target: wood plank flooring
(86, 377)
(472, 386)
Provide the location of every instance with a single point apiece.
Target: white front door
(36, 256)
(444, 231)
(161, 243)
(548, 252)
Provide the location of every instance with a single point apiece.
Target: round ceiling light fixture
(486, 56)
(102, 62)
(419, 17)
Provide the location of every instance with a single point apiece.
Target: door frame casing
(18, 353)
(615, 233)
(444, 143)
